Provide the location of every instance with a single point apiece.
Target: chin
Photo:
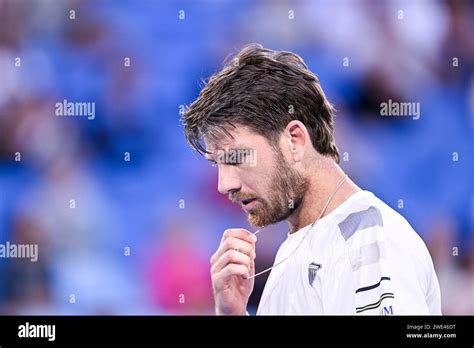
(257, 221)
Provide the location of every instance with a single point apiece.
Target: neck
(323, 183)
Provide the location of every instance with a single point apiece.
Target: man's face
(256, 175)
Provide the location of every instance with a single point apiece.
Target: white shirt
(362, 258)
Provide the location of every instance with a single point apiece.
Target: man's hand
(231, 264)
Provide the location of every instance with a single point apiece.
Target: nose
(228, 180)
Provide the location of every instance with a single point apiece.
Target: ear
(298, 139)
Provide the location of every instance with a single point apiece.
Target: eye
(239, 160)
(234, 163)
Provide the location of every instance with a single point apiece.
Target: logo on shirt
(312, 270)
(387, 311)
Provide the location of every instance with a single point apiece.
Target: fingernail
(253, 237)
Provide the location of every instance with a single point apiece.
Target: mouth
(248, 204)
(246, 201)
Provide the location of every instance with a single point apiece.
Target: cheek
(257, 181)
(257, 178)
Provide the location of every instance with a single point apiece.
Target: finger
(229, 271)
(231, 257)
(251, 273)
(252, 268)
(239, 233)
(233, 243)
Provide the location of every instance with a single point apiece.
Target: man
(265, 122)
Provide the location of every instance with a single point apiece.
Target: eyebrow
(236, 148)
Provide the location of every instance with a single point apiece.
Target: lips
(248, 204)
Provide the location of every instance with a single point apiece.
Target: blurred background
(126, 215)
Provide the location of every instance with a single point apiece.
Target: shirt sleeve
(360, 281)
(373, 289)
(389, 279)
(363, 265)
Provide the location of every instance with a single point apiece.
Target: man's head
(267, 106)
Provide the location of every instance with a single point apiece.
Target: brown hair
(263, 90)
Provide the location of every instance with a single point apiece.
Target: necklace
(310, 227)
